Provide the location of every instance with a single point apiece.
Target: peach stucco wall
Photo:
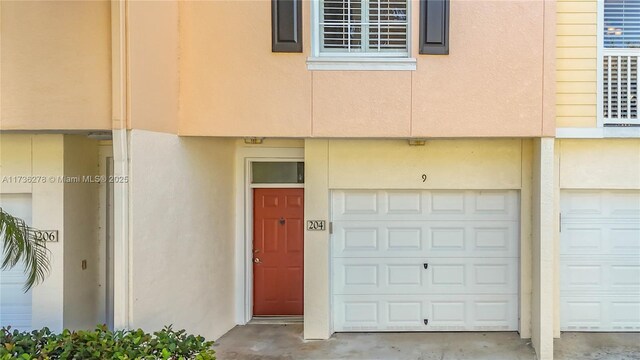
(205, 68)
(153, 74)
(55, 65)
(491, 84)
(231, 82)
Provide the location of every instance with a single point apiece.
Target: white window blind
(364, 27)
(620, 57)
(621, 24)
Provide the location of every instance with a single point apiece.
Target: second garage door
(600, 261)
(425, 260)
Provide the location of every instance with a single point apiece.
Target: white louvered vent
(620, 56)
(364, 27)
(620, 89)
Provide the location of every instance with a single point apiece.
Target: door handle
(282, 221)
(256, 260)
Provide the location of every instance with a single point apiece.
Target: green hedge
(102, 343)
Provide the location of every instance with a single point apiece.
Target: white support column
(121, 235)
(317, 324)
(556, 240)
(543, 232)
(525, 239)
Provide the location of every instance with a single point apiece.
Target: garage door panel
(600, 238)
(619, 275)
(404, 205)
(15, 304)
(600, 260)
(597, 204)
(418, 260)
(441, 276)
(409, 312)
(600, 313)
(425, 238)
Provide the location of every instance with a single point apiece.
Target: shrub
(102, 343)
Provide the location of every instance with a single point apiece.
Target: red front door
(278, 251)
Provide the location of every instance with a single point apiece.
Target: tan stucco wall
(489, 84)
(231, 82)
(55, 65)
(153, 65)
(599, 164)
(233, 85)
(181, 207)
(210, 64)
(393, 164)
(317, 290)
(576, 63)
(82, 308)
(36, 155)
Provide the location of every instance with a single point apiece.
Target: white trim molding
(361, 63)
(599, 133)
(599, 68)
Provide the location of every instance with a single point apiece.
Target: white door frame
(244, 218)
(105, 234)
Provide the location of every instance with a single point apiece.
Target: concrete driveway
(597, 346)
(279, 341)
(261, 341)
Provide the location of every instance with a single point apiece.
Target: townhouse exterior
(369, 165)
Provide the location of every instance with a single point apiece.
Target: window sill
(598, 133)
(361, 63)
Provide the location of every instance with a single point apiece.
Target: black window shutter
(434, 27)
(286, 25)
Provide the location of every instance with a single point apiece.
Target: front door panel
(278, 251)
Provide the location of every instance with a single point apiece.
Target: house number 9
(424, 177)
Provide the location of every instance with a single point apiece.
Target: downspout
(119, 96)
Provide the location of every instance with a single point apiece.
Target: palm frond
(20, 243)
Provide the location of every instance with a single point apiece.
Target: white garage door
(425, 260)
(600, 261)
(15, 304)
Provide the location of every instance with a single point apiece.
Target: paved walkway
(267, 342)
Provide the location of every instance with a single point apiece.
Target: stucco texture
(494, 82)
(182, 237)
(153, 65)
(55, 64)
(83, 308)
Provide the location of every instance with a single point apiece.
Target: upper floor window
(620, 53)
(363, 28)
